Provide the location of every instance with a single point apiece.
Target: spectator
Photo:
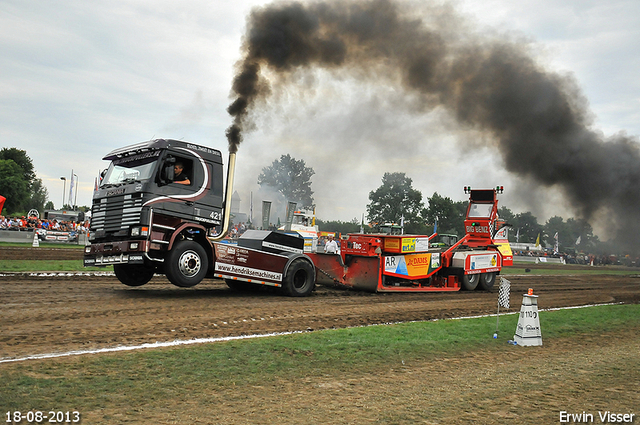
(331, 247)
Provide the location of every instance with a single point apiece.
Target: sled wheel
(187, 264)
(133, 274)
(470, 281)
(300, 279)
(486, 281)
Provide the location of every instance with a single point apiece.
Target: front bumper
(105, 254)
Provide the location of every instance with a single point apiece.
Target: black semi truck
(146, 219)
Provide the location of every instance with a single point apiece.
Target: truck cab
(141, 209)
(304, 224)
(390, 229)
(444, 240)
(160, 208)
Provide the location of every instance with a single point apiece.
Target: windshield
(300, 219)
(480, 210)
(131, 169)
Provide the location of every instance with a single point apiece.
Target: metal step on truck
(162, 206)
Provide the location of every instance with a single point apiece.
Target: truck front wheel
(187, 264)
(133, 274)
(300, 279)
(470, 281)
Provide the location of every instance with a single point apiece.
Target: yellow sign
(418, 264)
(391, 244)
(505, 249)
(412, 265)
(408, 244)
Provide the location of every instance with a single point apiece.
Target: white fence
(26, 236)
(535, 259)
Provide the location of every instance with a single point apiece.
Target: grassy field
(43, 244)
(101, 386)
(559, 269)
(46, 265)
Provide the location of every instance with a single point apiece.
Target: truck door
(181, 182)
(208, 207)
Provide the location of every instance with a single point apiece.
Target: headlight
(139, 231)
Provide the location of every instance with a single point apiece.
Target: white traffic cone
(36, 241)
(528, 331)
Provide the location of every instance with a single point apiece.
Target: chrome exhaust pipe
(231, 171)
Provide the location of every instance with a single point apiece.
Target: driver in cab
(178, 174)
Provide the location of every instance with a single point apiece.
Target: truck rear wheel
(487, 280)
(300, 279)
(470, 281)
(187, 264)
(133, 274)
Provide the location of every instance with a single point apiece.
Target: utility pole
(64, 189)
(75, 202)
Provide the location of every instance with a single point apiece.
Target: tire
(486, 281)
(470, 281)
(133, 274)
(300, 279)
(187, 264)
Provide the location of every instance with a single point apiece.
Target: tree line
(19, 184)
(396, 200)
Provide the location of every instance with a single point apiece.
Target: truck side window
(181, 171)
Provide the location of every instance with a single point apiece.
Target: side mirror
(167, 173)
(102, 174)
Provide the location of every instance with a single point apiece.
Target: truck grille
(115, 213)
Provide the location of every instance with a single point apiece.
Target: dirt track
(591, 373)
(61, 313)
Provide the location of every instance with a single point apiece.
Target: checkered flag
(503, 293)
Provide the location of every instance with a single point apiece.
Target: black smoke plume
(538, 119)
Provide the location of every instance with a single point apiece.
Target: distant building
(236, 216)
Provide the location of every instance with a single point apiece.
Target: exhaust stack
(231, 170)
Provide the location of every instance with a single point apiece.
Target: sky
(79, 79)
